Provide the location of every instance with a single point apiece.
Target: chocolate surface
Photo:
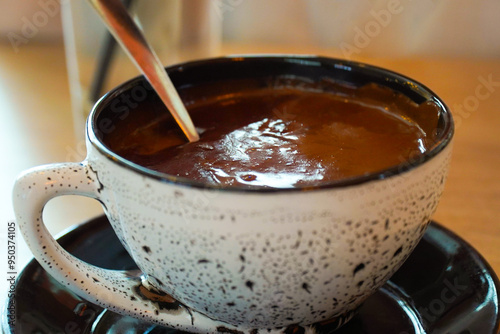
(275, 137)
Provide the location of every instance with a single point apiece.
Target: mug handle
(116, 290)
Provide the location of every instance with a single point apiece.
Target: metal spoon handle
(130, 37)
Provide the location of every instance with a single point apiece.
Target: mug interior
(210, 77)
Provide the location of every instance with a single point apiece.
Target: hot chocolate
(238, 248)
(272, 137)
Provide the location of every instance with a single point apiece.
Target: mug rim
(390, 76)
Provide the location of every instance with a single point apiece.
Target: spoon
(129, 36)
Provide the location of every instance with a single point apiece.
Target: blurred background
(395, 27)
(56, 59)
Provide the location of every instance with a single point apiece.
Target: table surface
(36, 127)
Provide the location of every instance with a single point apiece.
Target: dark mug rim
(353, 70)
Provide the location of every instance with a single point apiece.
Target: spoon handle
(127, 33)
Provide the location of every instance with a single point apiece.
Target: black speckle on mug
(398, 251)
(358, 268)
(250, 284)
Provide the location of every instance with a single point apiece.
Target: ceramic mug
(238, 260)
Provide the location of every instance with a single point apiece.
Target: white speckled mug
(239, 260)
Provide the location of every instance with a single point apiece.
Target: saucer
(445, 287)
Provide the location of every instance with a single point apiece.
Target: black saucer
(445, 287)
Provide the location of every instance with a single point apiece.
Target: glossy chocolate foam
(279, 136)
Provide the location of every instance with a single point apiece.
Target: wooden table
(36, 127)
